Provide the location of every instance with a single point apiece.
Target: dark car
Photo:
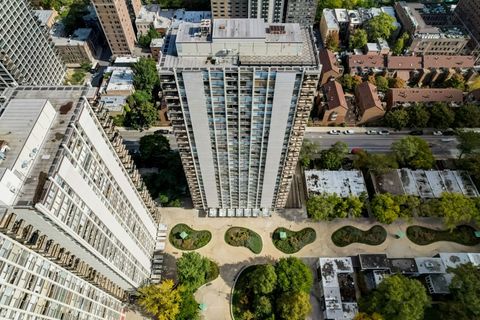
(449, 132)
(416, 133)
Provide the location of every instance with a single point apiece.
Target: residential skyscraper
(271, 11)
(77, 227)
(468, 13)
(116, 21)
(26, 54)
(239, 95)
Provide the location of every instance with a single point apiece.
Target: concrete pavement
(231, 260)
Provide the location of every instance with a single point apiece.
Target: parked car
(348, 132)
(416, 133)
(163, 131)
(334, 132)
(384, 132)
(371, 132)
(356, 150)
(437, 133)
(448, 140)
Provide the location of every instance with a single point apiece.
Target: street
(381, 144)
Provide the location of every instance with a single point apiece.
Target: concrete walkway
(231, 260)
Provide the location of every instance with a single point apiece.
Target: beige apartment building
(117, 25)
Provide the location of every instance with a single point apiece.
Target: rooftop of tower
(238, 42)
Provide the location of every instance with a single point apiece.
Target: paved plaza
(216, 295)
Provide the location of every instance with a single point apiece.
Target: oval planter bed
(462, 235)
(183, 237)
(243, 237)
(289, 241)
(347, 235)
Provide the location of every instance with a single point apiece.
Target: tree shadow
(169, 267)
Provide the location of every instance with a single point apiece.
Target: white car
(334, 132)
(371, 132)
(384, 132)
(348, 132)
(438, 133)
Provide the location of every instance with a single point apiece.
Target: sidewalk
(216, 295)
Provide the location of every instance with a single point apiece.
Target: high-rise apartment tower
(116, 21)
(26, 54)
(468, 13)
(77, 226)
(271, 11)
(239, 94)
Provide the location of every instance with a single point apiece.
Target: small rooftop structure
(403, 265)
(120, 82)
(125, 61)
(373, 261)
(439, 283)
(423, 183)
(427, 265)
(342, 183)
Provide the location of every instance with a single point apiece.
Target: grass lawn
(462, 234)
(243, 237)
(294, 241)
(194, 240)
(347, 235)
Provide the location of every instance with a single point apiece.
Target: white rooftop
(126, 60)
(113, 103)
(44, 16)
(453, 260)
(121, 79)
(238, 29)
(342, 183)
(427, 265)
(329, 15)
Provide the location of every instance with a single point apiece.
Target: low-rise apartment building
(76, 49)
(407, 96)
(369, 106)
(331, 68)
(334, 107)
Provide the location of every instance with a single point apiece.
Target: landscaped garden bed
(185, 238)
(462, 234)
(243, 237)
(289, 241)
(347, 235)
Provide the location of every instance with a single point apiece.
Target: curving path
(216, 295)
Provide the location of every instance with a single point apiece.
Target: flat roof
(403, 265)
(329, 16)
(399, 95)
(439, 283)
(238, 29)
(44, 15)
(453, 260)
(343, 183)
(121, 79)
(373, 261)
(427, 265)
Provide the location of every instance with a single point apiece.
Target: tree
(471, 164)
(145, 75)
(366, 316)
(188, 305)
(192, 270)
(263, 279)
(465, 290)
(413, 152)
(142, 116)
(293, 275)
(397, 118)
(332, 158)
(154, 149)
(309, 149)
(349, 83)
(385, 208)
(381, 83)
(455, 81)
(455, 208)
(441, 116)
(332, 42)
(263, 307)
(377, 162)
(294, 306)
(145, 39)
(396, 83)
(467, 116)
(160, 300)
(397, 298)
(469, 142)
(358, 39)
(321, 207)
(418, 116)
(381, 26)
(400, 44)
(354, 206)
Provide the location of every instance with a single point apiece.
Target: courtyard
(216, 295)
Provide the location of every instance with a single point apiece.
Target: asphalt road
(381, 144)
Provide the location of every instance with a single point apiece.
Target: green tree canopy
(332, 158)
(144, 40)
(413, 152)
(385, 208)
(294, 306)
(293, 275)
(263, 279)
(145, 75)
(349, 82)
(397, 118)
(465, 290)
(396, 83)
(400, 44)
(308, 151)
(263, 307)
(381, 26)
(471, 164)
(382, 83)
(192, 270)
(455, 208)
(377, 162)
(468, 116)
(469, 142)
(418, 116)
(188, 305)
(331, 206)
(366, 316)
(332, 42)
(160, 300)
(154, 149)
(397, 298)
(359, 39)
(441, 116)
